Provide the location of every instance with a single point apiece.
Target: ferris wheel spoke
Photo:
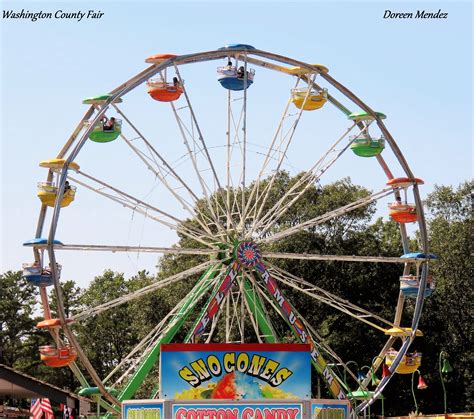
(215, 321)
(232, 208)
(326, 348)
(200, 135)
(72, 340)
(214, 304)
(235, 209)
(329, 299)
(283, 147)
(141, 249)
(244, 147)
(329, 215)
(301, 186)
(148, 360)
(206, 190)
(236, 318)
(141, 347)
(162, 176)
(234, 141)
(236, 202)
(379, 359)
(271, 152)
(142, 207)
(155, 153)
(318, 340)
(289, 314)
(124, 198)
(154, 336)
(156, 167)
(253, 321)
(256, 312)
(84, 383)
(342, 258)
(229, 111)
(141, 292)
(263, 294)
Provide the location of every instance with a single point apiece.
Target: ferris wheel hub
(247, 253)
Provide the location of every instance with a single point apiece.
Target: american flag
(47, 409)
(40, 406)
(35, 410)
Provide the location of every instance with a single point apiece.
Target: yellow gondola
(409, 363)
(309, 101)
(297, 71)
(58, 164)
(401, 332)
(47, 194)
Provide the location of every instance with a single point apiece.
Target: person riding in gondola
(176, 82)
(67, 187)
(108, 124)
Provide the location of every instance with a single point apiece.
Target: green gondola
(366, 146)
(364, 116)
(99, 135)
(99, 100)
(363, 395)
(94, 391)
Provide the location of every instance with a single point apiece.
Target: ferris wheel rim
(213, 55)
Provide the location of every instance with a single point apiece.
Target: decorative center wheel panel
(248, 254)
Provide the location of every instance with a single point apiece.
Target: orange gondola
(404, 182)
(51, 323)
(158, 58)
(57, 357)
(163, 91)
(403, 213)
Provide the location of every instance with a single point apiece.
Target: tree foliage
(447, 317)
(446, 322)
(17, 305)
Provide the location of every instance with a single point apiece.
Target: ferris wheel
(215, 182)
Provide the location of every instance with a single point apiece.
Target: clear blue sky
(418, 72)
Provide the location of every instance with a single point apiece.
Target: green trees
(107, 337)
(447, 318)
(446, 321)
(17, 304)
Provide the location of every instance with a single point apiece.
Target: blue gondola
(231, 79)
(237, 46)
(410, 284)
(419, 255)
(40, 242)
(36, 275)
